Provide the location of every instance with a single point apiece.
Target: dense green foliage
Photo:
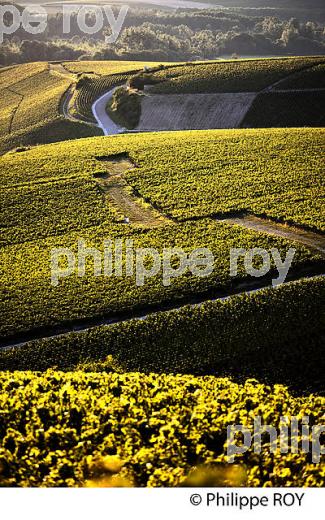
(221, 76)
(30, 95)
(41, 98)
(30, 107)
(281, 109)
(276, 173)
(10, 76)
(125, 108)
(10, 99)
(160, 34)
(55, 130)
(64, 429)
(31, 99)
(26, 271)
(57, 208)
(84, 421)
(228, 76)
(265, 172)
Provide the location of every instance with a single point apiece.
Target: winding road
(184, 111)
(103, 120)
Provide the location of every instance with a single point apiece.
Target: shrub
(139, 81)
(125, 107)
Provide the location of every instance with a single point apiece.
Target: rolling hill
(32, 99)
(94, 358)
(48, 102)
(109, 376)
(80, 189)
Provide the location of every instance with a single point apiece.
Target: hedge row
(277, 334)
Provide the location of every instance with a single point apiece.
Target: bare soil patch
(310, 239)
(193, 111)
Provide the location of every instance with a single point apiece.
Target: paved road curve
(101, 116)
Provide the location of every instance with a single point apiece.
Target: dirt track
(116, 189)
(310, 239)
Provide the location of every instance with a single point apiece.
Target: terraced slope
(245, 93)
(73, 426)
(33, 101)
(12, 82)
(193, 111)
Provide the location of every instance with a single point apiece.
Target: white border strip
(150, 503)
